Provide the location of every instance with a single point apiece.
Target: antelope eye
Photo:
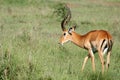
(64, 34)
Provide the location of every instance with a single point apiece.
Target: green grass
(30, 32)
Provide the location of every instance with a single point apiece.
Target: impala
(94, 41)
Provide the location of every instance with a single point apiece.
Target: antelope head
(67, 35)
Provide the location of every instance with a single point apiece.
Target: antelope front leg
(93, 63)
(85, 60)
(92, 59)
(90, 55)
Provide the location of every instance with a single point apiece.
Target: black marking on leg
(108, 65)
(104, 62)
(88, 55)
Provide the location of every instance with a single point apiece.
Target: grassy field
(30, 32)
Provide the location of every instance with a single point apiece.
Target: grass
(29, 36)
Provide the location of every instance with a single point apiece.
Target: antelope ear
(72, 29)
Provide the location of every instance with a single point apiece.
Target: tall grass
(29, 36)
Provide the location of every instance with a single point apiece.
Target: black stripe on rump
(110, 45)
(105, 47)
(102, 43)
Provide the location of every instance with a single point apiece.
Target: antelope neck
(78, 39)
